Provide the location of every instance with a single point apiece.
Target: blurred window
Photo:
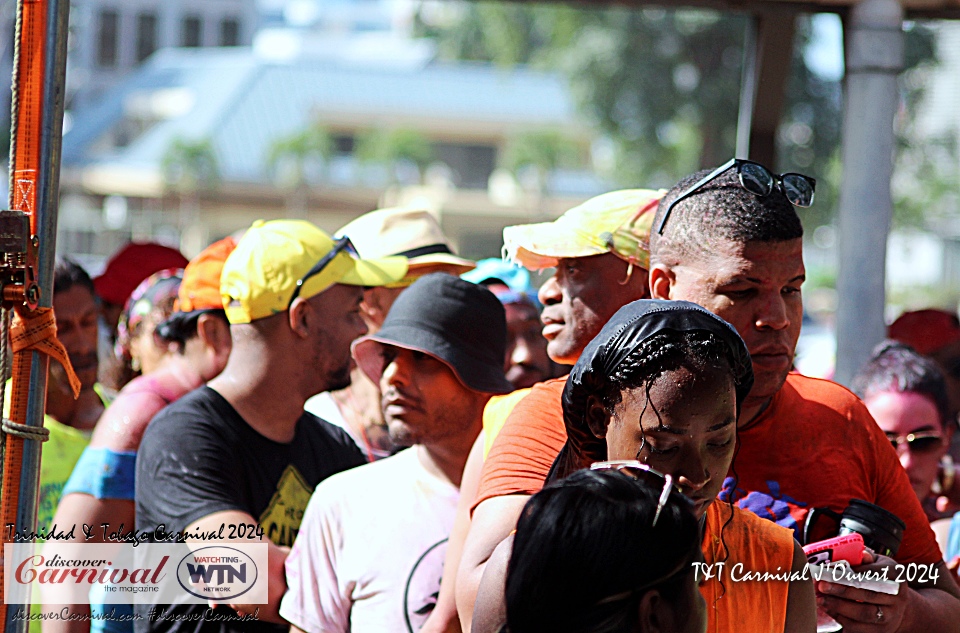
(471, 164)
(229, 32)
(343, 144)
(190, 31)
(107, 38)
(146, 35)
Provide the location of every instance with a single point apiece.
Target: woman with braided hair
(659, 391)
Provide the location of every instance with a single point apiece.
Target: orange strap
(37, 330)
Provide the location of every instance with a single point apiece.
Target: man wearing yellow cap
(599, 250)
(253, 456)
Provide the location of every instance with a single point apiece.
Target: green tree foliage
(926, 185)
(536, 154)
(396, 145)
(289, 158)
(663, 86)
(190, 166)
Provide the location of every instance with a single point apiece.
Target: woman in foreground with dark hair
(660, 388)
(598, 527)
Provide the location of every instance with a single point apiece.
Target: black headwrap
(627, 330)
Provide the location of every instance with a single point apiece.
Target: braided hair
(699, 351)
(656, 341)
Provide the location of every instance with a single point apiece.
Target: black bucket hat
(629, 328)
(457, 322)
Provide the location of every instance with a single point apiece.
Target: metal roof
(241, 102)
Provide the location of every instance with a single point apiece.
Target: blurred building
(199, 143)
(109, 38)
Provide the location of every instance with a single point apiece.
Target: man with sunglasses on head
(731, 241)
(253, 456)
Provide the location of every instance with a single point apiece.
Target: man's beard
(340, 379)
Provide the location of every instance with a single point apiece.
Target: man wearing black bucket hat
(371, 546)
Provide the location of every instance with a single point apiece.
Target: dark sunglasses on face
(922, 442)
(342, 244)
(756, 179)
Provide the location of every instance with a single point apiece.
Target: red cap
(132, 264)
(926, 330)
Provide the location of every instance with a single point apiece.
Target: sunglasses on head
(640, 471)
(922, 442)
(756, 179)
(342, 244)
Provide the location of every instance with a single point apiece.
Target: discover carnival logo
(217, 572)
(122, 573)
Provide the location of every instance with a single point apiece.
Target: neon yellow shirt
(495, 414)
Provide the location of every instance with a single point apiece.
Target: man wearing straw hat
(416, 235)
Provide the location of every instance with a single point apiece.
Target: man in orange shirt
(599, 250)
(731, 241)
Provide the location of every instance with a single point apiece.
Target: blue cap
(514, 277)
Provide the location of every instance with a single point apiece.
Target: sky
(824, 56)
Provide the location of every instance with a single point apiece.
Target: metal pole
(763, 84)
(874, 57)
(748, 85)
(48, 198)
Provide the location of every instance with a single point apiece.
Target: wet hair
(698, 350)
(721, 210)
(897, 367)
(180, 327)
(667, 350)
(67, 274)
(586, 551)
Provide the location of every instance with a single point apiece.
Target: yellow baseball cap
(617, 222)
(261, 274)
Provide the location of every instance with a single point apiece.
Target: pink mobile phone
(848, 547)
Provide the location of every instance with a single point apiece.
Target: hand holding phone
(848, 547)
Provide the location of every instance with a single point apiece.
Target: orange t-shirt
(524, 450)
(523, 453)
(736, 599)
(815, 445)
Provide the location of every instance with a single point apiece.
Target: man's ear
(213, 331)
(662, 278)
(372, 309)
(298, 315)
(597, 417)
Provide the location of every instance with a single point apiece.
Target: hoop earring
(643, 442)
(630, 263)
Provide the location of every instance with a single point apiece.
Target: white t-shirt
(370, 551)
(325, 407)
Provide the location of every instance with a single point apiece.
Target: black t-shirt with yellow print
(198, 456)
